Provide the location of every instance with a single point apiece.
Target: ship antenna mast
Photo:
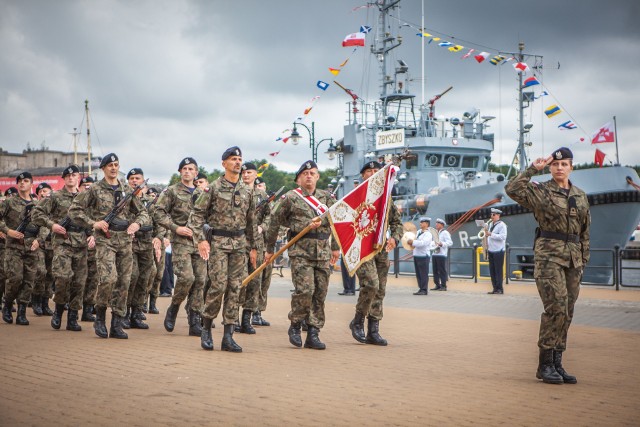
(384, 43)
(86, 111)
(520, 154)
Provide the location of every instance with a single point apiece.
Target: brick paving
(470, 362)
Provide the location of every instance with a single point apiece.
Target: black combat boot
(546, 369)
(124, 321)
(373, 337)
(145, 309)
(312, 340)
(206, 340)
(170, 318)
(236, 326)
(7, 315)
(304, 325)
(294, 334)
(262, 321)
(36, 305)
(116, 330)
(245, 326)
(357, 328)
(152, 305)
(136, 319)
(44, 303)
(99, 325)
(72, 321)
(195, 324)
(557, 363)
(255, 319)
(86, 313)
(21, 318)
(228, 344)
(56, 319)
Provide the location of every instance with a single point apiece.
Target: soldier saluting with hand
(561, 252)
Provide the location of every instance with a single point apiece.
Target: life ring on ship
(433, 160)
(452, 161)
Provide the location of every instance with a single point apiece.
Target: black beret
(24, 175)
(562, 153)
(309, 164)
(231, 151)
(258, 180)
(249, 167)
(109, 158)
(70, 169)
(42, 186)
(135, 171)
(370, 165)
(86, 180)
(11, 191)
(187, 161)
(201, 176)
(152, 190)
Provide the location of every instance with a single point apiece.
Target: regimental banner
(390, 139)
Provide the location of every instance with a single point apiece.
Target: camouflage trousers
(70, 273)
(142, 268)
(558, 287)
(311, 282)
(249, 297)
(372, 276)
(190, 270)
(44, 283)
(3, 277)
(91, 285)
(156, 279)
(114, 261)
(21, 270)
(226, 272)
(264, 287)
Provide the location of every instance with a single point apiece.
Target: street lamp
(296, 137)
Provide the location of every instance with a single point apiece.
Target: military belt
(74, 229)
(574, 238)
(227, 233)
(313, 235)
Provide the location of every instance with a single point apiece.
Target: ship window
(452, 161)
(433, 159)
(411, 162)
(470, 162)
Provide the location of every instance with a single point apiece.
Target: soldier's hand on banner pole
(315, 223)
(267, 256)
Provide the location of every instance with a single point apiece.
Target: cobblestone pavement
(455, 358)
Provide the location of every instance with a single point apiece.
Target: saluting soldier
(372, 276)
(143, 265)
(113, 242)
(91, 284)
(310, 256)
(250, 294)
(172, 213)
(69, 242)
(561, 252)
(228, 207)
(21, 250)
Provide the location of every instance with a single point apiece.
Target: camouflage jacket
(172, 211)
(550, 206)
(52, 210)
(12, 212)
(262, 217)
(94, 204)
(394, 226)
(143, 239)
(226, 207)
(293, 212)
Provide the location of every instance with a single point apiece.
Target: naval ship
(447, 177)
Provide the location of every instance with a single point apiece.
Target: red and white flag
(355, 39)
(359, 220)
(604, 134)
(521, 67)
(599, 158)
(481, 56)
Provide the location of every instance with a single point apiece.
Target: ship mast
(86, 110)
(520, 155)
(384, 43)
(75, 134)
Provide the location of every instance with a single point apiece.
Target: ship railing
(627, 261)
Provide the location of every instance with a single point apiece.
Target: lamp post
(295, 139)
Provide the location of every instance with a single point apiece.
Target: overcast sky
(169, 79)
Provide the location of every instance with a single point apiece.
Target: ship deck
(460, 357)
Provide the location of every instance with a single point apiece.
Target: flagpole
(275, 256)
(615, 136)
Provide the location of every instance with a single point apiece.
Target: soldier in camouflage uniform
(250, 294)
(265, 280)
(159, 233)
(113, 241)
(11, 192)
(43, 286)
(227, 206)
(561, 251)
(21, 251)
(91, 285)
(310, 256)
(69, 243)
(172, 212)
(143, 263)
(372, 276)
